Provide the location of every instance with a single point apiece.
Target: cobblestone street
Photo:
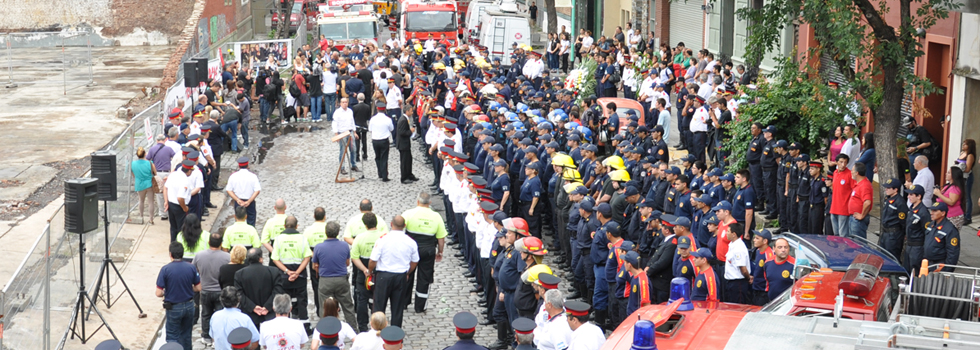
(300, 168)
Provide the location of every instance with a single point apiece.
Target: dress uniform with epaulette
(819, 197)
(803, 195)
(769, 171)
(291, 249)
(792, 184)
(893, 213)
(942, 243)
(916, 222)
(754, 157)
(784, 164)
(465, 323)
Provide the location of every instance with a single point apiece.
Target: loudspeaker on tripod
(81, 205)
(104, 169)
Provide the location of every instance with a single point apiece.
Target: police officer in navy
(942, 243)
(754, 156)
(893, 214)
(802, 199)
(769, 163)
(916, 220)
(465, 324)
(819, 197)
(792, 184)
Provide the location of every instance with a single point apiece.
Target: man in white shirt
(176, 196)
(585, 335)
(736, 268)
(243, 187)
(343, 121)
(555, 334)
(852, 148)
(282, 332)
(393, 256)
(394, 98)
(380, 127)
(699, 127)
(924, 178)
(534, 67)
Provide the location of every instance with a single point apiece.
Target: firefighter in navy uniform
(915, 228)
(769, 164)
(819, 197)
(802, 199)
(754, 157)
(893, 214)
(785, 164)
(792, 183)
(942, 243)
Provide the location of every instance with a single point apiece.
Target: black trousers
(216, 172)
(803, 215)
(390, 287)
(210, 302)
(755, 170)
(610, 92)
(297, 292)
(760, 297)
(362, 300)
(892, 239)
(816, 221)
(533, 221)
(769, 181)
(176, 215)
(315, 282)
(912, 256)
(791, 219)
(422, 277)
(249, 212)
(360, 144)
(405, 164)
(489, 286)
(737, 291)
(700, 143)
(381, 157)
(782, 202)
(614, 317)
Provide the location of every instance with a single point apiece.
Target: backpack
(615, 78)
(270, 93)
(293, 89)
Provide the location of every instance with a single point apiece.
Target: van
(473, 19)
(501, 28)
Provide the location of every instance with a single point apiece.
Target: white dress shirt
(700, 120)
(587, 337)
(394, 252)
(380, 127)
(243, 183)
(178, 186)
(533, 68)
(394, 98)
(343, 120)
(554, 335)
(737, 256)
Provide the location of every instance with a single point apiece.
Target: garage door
(687, 24)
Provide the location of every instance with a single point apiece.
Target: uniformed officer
(638, 292)
(465, 324)
(511, 268)
(785, 163)
(660, 267)
(530, 196)
(705, 286)
(802, 224)
(315, 234)
(243, 187)
(761, 253)
(819, 197)
(329, 328)
(291, 254)
(523, 333)
(683, 265)
(553, 333)
(769, 164)
(585, 335)
(394, 257)
(754, 155)
(745, 197)
(240, 233)
(792, 185)
(942, 243)
(240, 338)
(893, 214)
(393, 337)
(427, 229)
(274, 226)
(916, 221)
(588, 224)
(778, 272)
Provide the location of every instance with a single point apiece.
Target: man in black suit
(362, 114)
(259, 284)
(403, 142)
(217, 139)
(660, 267)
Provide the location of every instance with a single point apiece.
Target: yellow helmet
(531, 274)
(459, 62)
(563, 160)
(615, 162)
(571, 175)
(619, 175)
(438, 65)
(418, 49)
(569, 187)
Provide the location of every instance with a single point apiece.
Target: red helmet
(520, 226)
(531, 245)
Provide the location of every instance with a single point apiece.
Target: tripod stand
(105, 272)
(77, 319)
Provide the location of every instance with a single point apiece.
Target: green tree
(874, 56)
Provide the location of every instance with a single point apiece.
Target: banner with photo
(264, 53)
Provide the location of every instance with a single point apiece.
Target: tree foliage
(856, 32)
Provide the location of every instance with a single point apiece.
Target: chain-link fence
(35, 317)
(48, 58)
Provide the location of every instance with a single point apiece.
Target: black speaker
(104, 169)
(190, 74)
(81, 205)
(202, 70)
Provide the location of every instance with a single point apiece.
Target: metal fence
(48, 58)
(41, 293)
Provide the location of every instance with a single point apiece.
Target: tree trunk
(549, 6)
(886, 121)
(284, 13)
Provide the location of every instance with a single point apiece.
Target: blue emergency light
(644, 335)
(680, 287)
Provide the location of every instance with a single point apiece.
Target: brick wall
(187, 35)
(115, 17)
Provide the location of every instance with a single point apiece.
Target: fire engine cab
(348, 22)
(419, 18)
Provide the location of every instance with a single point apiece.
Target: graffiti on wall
(219, 28)
(211, 30)
(203, 36)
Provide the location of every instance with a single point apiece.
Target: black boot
(502, 340)
(600, 318)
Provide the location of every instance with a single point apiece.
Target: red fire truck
(419, 18)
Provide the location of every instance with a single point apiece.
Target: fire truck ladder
(499, 44)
